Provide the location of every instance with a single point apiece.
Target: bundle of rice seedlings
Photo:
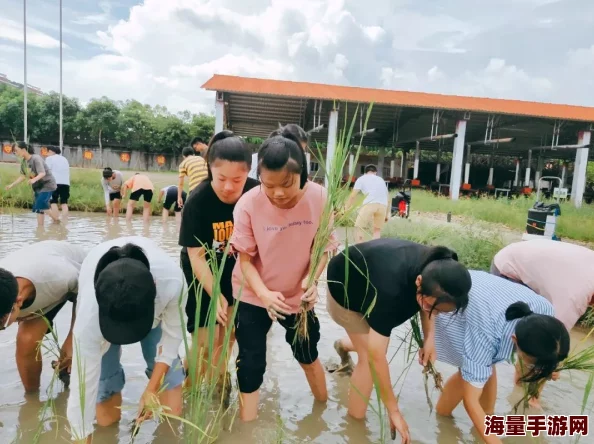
(580, 361)
(429, 368)
(333, 214)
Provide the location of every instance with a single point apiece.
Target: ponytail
(128, 251)
(437, 254)
(517, 310)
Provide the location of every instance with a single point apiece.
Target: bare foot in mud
(346, 363)
(223, 391)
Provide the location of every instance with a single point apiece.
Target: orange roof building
(414, 122)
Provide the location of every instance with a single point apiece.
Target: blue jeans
(112, 379)
(41, 201)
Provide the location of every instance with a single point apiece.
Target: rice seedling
(333, 213)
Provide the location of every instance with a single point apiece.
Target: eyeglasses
(7, 319)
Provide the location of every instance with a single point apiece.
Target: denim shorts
(41, 201)
(112, 379)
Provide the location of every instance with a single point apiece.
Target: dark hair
(107, 172)
(284, 151)
(188, 151)
(541, 337)
(196, 140)
(55, 149)
(444, 278)
(225, 145)
(369, 168)
(23, 146)
(294, 129)
(129, 251)
(9, 290)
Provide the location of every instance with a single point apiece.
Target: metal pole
(61, 109)
(25, 138)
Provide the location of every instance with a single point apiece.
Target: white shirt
(52, 267)
(374, 188)
(89, 345)
(60, 168)
(254, 169)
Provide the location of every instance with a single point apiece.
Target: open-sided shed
(414, 122)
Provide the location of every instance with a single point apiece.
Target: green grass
(86, 192)
(574, 223)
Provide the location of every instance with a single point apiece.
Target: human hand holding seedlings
(310, 297)
(148, 398)
(427, 354)
(274, 301)
(222, 306)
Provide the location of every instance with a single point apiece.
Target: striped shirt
(480, 336)
(195, 168)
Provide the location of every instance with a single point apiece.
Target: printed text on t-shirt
(280, 228)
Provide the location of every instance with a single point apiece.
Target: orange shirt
(139, 182)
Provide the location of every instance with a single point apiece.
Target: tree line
(102, 122)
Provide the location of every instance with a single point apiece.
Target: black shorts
(251, 327)
(50, 315)
(116, 195)
(147, 194)
(195, 296)
(62, 194)
(171, 199)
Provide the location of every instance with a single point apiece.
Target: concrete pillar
(417, 160)
(563, 174)
(332, 134)
(467, 169)
(380, 162)
(392, 168)
(457, 160)
(539, 168)
(517, 178)
(219, 113)
(308, 159)
(438, 167)
(403, 165)
(527, 178)
(352, 165)
(490, 179)
(579, 171)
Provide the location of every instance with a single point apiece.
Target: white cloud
(13, 31)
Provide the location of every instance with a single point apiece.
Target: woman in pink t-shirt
(275, 226)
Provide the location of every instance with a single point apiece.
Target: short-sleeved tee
(480, 336)
(60, 168)
(52, 267)
(378, 279)
(195, 168)
(37, 165)
(374, 188)
(208, 222)
(139, 182)
(279, 242)
(561, 272)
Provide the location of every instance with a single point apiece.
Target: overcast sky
(162, 51)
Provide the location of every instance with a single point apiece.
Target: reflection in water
(288, 413)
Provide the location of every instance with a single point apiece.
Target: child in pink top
(274, 229)
(140, 186)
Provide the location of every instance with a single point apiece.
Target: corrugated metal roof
(305, 90)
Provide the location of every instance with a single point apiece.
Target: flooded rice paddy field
(288, 413)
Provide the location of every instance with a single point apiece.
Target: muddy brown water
(287, 407)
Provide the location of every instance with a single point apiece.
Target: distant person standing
(60, 168)
(195, 168)
(140, 185)
(112, 182)
(168, 195)
(199, 146)
(40, 178)
(376, 206)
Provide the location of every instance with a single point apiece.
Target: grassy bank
(475, 245)
(86, 193)
(577, 224)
